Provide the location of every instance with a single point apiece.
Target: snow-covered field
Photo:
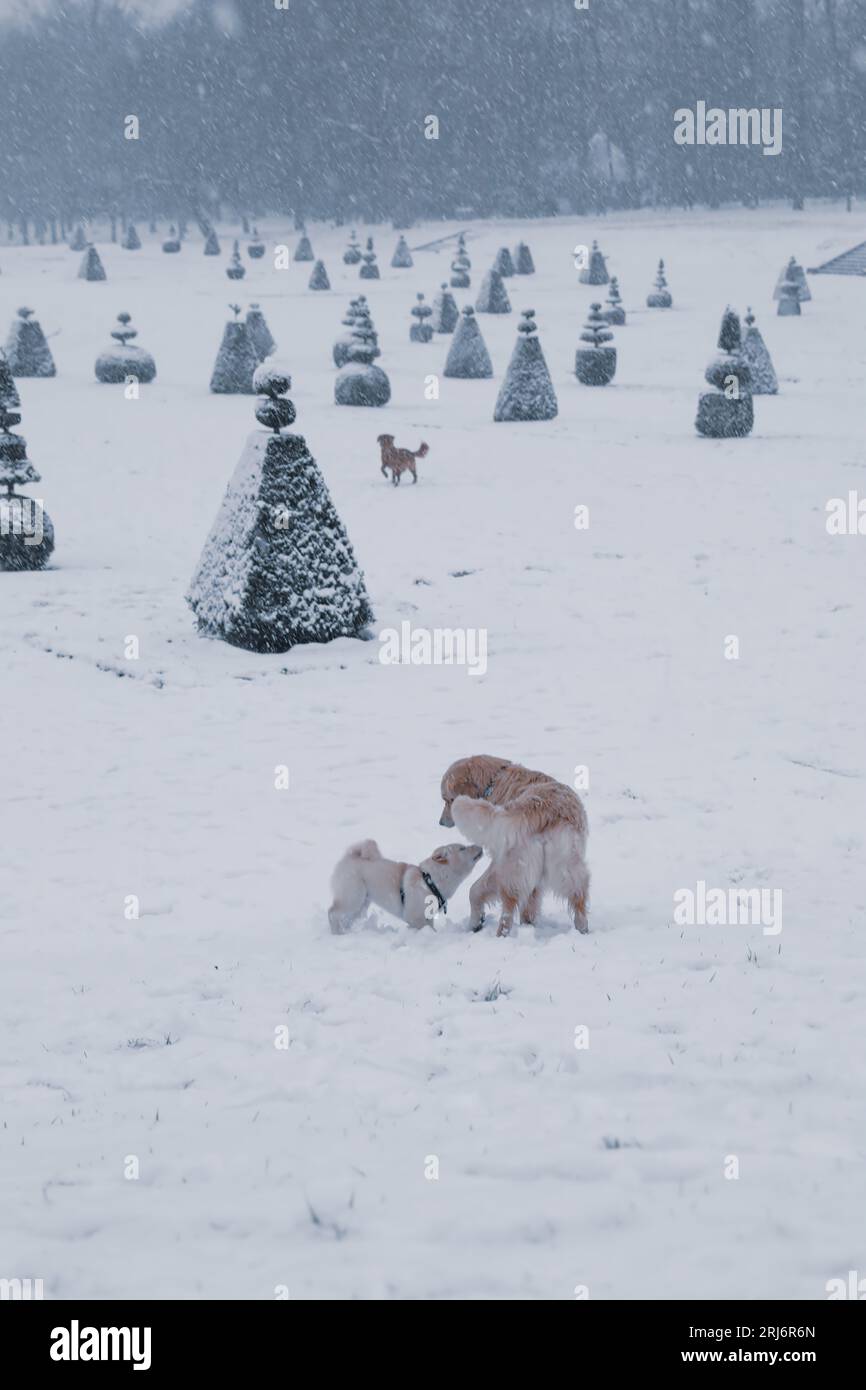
(304, 1168)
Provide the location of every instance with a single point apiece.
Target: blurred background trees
(318, 110)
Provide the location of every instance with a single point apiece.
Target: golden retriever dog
(399, 460)
(534, 829)
(413, 892)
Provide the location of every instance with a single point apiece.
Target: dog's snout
(445, 818)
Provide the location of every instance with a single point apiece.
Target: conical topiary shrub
(319, 277)
(256, 247)
(503, 264)
(789, 299)
(236, 360)
(523, 262)
(123, 359)
(131, 239)
(235, 270)
(468, 356)
(421, 331)
(211, 243)
(402, 257)
(595, 364)
(493, 296)
(726, 412)
(91, 267)
(79, 240)
(259, 334)
(27, 351)
(795, 272)
(304, 249)
(360, 381)
(660, 297)
(352, 253)
(614, 314)
(527, 392)
(171, 245)
(595, 273)
(26, 532)
(369, 269)
(445, 311)
(764, 381)
(9, 397)
(356, 309)
(460, 266)
(278, 569)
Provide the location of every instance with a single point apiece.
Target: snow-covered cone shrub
(793, 271)
(319, 277)
(91, 267)
(503, 265)
(9, 397)
(460, 266)
(803, 291)
(360, 382)
(595, 364)
(493, 296)
(726, 412)
(344, 342)
(26, 532)
(402, 257)
(278, 568)
(79, 240)
(614, 313)
(131, 240)
(26, 349)
(523, 262)
(527, 392)
(421, 331)
(369, 270)
(123, 359)
(660, 297)
(445, 311)
(757, 355)
(172, 242)
(304, 249)
(235, 270)
(459, 276)
(789, 299)
(256, 247)
(259, 334)
(352, 253)
(596, 272)
(236, 360)
(211, 243)
(468, 355)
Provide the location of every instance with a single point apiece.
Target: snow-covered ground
(304, 1167)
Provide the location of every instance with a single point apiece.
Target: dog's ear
(439, 857)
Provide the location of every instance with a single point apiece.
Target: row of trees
(320, 108)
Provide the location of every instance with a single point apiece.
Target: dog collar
(487, 790)
(443, 906)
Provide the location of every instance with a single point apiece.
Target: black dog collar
(443, 906)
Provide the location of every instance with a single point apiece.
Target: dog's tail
(422, 451)
(364, 849)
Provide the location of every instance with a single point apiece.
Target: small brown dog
(399, 460)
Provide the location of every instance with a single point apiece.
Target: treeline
(320, 109)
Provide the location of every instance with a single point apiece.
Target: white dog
(413, 892)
